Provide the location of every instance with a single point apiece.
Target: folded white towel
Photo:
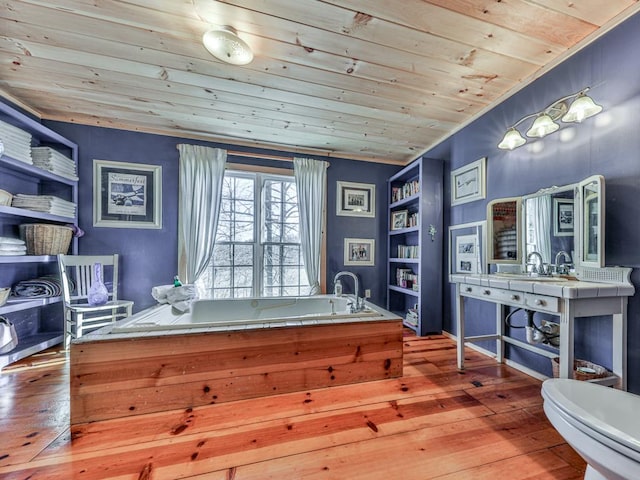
(15, 241)
(12, 247)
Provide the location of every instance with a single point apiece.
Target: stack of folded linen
(17, 142)
(45, 203)
(12, 246)
(55, 162)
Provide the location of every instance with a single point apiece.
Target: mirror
(591, 194)
(503, 231)
(567, 219)
(549, 224)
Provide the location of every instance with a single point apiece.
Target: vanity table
(544, 228)
(605, 293)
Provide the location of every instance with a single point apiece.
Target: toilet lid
(613, 413)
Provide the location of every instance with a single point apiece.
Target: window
(257, 249)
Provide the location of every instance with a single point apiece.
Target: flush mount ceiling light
(546, 121)
(225, 44)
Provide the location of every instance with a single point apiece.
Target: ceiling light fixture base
(225, 44)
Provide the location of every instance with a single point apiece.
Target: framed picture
(468, 183)
(356, 199)
(563, 217)
(399, 219)
(467, 248)
(359, 251)
(127, 195)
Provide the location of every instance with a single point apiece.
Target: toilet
(602, 424)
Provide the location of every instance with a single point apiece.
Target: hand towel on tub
(178, 297)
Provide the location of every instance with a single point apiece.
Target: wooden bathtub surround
(137, 375)
(433, 423)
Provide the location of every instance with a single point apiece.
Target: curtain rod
(263, 156)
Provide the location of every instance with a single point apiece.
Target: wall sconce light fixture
(225, 44)
(546, 120)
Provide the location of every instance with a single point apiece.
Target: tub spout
(337, 289)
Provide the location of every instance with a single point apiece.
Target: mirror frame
(491, 255)
(583, 213)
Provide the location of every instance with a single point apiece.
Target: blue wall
(149, 257)
(607, 144)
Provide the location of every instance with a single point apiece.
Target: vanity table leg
(500, 314)
(619, 339)
(460, 327)
(566, 340)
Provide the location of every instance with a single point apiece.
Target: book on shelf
(408, 251)
(408, 189)
(405, 278)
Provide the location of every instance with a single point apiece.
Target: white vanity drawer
(496, 295)
(541, 302)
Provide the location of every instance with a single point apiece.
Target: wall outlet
(367, 293)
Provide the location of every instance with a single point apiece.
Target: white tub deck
(266, 313)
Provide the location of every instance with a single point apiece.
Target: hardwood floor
(434, 422)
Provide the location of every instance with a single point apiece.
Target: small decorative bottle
(176, 281)
(98, 294)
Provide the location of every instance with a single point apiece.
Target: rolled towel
(181, 294)
(178, 297)
(159, 293)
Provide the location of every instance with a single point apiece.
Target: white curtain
(311, 180)
(541, 225)
(201, 175)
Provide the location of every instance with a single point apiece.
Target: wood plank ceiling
(362, 79)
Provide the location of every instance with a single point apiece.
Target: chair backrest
(77, 275)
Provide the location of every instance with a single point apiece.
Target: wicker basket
(582, 370)
(45, 239)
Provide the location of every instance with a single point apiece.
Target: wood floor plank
(435, 422)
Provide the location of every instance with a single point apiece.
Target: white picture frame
(360, 251)
(563, 217)
(468, 183)
(356, 199)
(472, 233)
(127, 195)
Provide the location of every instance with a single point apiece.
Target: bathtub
(228, 350)
(249, 313)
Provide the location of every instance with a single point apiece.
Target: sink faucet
(562, 267)
(337, 289)
(538, 267)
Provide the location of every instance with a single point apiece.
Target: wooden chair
(77, 275)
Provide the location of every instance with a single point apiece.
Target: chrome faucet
(337, 289)
(562, 268)
(539, 267)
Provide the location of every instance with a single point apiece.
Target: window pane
(243, 254)
(243, 232)
(222, 255)
(291, 275)
(243, 277)
(221, 277)
(244, 188)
